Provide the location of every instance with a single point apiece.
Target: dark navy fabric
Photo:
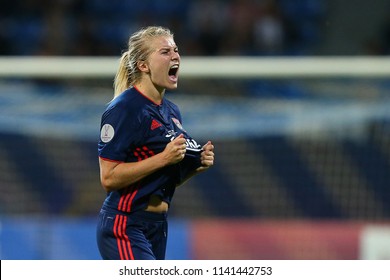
(139, 235)
(142, 129)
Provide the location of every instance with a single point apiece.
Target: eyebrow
(167, 48)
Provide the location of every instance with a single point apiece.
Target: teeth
(174, 66)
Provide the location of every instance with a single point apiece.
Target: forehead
(161, 42)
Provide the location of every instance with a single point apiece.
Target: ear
(143, 66)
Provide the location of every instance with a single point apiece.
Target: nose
(176, 56)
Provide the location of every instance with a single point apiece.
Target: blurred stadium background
(303, 162)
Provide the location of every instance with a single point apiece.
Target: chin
(172, 86)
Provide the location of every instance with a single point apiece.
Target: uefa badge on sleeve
(107, 133)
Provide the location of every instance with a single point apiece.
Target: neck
(150, 91)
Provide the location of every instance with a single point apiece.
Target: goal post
(202, 67)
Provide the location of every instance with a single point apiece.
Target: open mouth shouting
(173, 73)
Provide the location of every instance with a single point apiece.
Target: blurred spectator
(269, 31)
(238, 38)
(207, 23)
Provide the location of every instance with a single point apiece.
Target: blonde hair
(138, 50)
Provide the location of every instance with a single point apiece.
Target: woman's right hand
(175, 150)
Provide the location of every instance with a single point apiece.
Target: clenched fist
(207, 156)
(175, 150)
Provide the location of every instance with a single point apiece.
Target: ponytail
(122, 78)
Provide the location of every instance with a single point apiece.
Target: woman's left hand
(207, 156)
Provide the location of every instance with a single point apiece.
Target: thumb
(180, 136)
(208, 146)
